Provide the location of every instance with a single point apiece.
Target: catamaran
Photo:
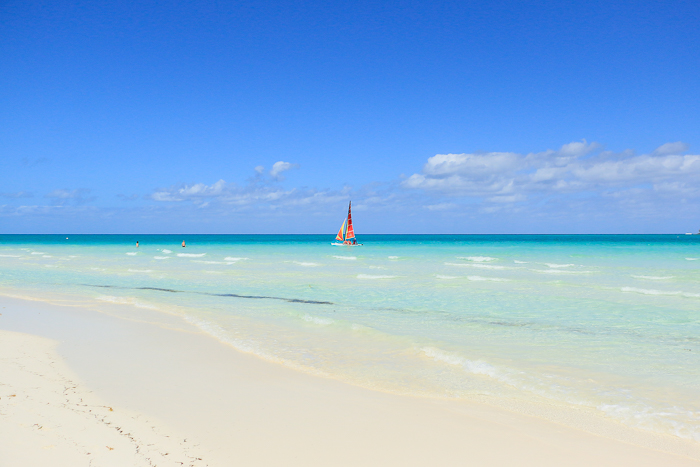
(346, 234)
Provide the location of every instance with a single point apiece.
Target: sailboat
(346, 234)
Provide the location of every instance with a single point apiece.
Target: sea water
(606, 322)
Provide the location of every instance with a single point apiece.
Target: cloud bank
(579, 188)
(574, 168)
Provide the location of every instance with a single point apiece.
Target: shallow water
(607, 322)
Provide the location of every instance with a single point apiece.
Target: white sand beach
(85, 388)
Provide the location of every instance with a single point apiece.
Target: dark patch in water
(232, 295)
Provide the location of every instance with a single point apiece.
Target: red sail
(350, 233)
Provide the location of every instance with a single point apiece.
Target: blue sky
(454, 117)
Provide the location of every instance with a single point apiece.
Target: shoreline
(240, 408)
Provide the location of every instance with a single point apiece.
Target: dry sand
(81, 387)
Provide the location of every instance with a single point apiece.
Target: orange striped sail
(350, 233)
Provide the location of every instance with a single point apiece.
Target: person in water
(137, 243)
(183, 244)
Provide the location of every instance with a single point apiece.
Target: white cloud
(670, 148)
(78, 196)
(198, 190)
(507, 198)
(279, 167)
(640, 169)
(577, 149)
(441, 206)
(16, 195)
(469, 164)
(505, 177)
(254, 194)
(63, 194)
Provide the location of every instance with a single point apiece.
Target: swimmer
(137, 243)
(183, 244)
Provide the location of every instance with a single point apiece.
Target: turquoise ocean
(606, 322)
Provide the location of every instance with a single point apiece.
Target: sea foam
(213, 262)
(191, 255)
(346, 257)
(369, 276)
(477, 259)
(559, 271)
(477, 265)
(125, 301)
(653, 278)
(317, 320)
(476, 367)
(480, 278)
(660, 292)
